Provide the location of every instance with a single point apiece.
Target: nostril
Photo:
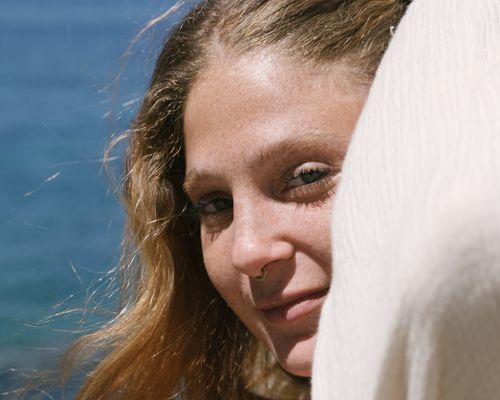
(262, 275)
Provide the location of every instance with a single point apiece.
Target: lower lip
(296, 309)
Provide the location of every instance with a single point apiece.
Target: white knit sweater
(414, 309)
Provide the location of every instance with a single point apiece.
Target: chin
(297, 358)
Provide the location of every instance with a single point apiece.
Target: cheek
(315, 233)
(225, 279)
(231, 286)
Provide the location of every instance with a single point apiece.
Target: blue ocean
(60, 218)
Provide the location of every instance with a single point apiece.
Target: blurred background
(60, 222)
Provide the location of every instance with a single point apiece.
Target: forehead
(243, 104)
(263, 76)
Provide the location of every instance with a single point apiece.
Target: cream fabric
(414, 309)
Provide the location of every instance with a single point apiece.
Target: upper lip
(285, 300)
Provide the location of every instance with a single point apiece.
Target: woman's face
(265, 139)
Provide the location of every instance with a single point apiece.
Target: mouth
(291, 310)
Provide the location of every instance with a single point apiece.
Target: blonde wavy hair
(174, 335)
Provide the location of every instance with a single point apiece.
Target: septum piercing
(263, 274)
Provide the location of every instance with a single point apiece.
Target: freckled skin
(237, 117)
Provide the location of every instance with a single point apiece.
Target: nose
(259, 238)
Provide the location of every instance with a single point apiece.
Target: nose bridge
(256, 231)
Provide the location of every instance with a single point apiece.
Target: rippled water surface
(60, 226)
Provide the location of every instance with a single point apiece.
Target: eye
(215, 212)
(309, 182)
(212, 204)
(307, 176)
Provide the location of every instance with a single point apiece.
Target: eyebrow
(277, 150)
(194, 176)
(302, 142)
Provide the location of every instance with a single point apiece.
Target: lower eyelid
(214, 223)
(318, 201)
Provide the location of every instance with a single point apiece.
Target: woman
(232, 165)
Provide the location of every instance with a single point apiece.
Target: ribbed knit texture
(414, 309)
